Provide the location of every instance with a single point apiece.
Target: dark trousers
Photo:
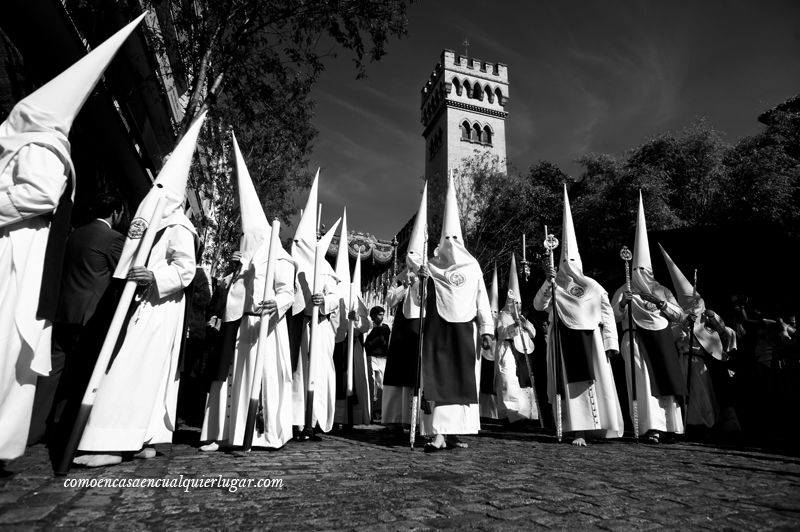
(47, 406)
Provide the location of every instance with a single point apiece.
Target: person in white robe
(704, 343)
(490, 397)
(37, 179)
(514, 373)
(353, 397)
(458, 321)
(136, 400)
(587, 340)
(658, 377)
(402, 358)
(326, 299)
(228, 400)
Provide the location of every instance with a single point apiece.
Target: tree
(253, 63)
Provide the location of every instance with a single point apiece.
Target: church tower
(463, 115)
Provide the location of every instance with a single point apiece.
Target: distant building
(463, 114)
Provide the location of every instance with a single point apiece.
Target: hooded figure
(305, 249)
(37, 185)
(456, 299)
(513, 371)
(353, 407)
(490, 403)
(135, 404)
(659, 380)
(228, 399)
(587, 336)
(403, 357)
(709, 342)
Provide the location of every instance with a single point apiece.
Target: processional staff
(625, 255)
(417, 392)
(263, 331)
(550, 244)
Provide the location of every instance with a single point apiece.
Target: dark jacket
(92, 253)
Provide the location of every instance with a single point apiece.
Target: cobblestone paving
(367, 480)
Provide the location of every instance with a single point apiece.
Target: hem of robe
(396, 404)
(451, 419)
(589, 406)
(655, 413)
(15, 416)
(488, 407)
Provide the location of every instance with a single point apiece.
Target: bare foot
(146, 453)
(98, 460)
(579, 442)
(210, 447)
(454, 443)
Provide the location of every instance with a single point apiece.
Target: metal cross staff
(625, 254)
(550, 244)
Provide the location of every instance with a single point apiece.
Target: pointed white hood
(56, 103)
(454, 270)
(514, 293)
(579, 296)
(691, 302)
(303, 248)
(255, 227)
(170, 183)
(494, 294)
(343, 273)
(416, 243)
(45, 116)
(645, 314)
(642, 279)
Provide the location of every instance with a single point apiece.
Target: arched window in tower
(457, 85)
(468, 88)
(489, 94)
(465, 130)
(476, 133)
(499, 96)
(477, 92)
(487, 135)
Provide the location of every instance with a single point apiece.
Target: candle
(523, 247)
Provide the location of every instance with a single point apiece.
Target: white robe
(586, 406)
(325, 382)
(30, 187)
(655, 413)
(362, 410)
(228, 401)
(463, 419)
(517, 403)
(136, 400)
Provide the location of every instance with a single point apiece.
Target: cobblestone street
(365, 479)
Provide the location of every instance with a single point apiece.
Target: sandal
(431, 448)
(652, 436)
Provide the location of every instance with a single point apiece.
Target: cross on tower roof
(466, 47)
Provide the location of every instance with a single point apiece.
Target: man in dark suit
(91, 255)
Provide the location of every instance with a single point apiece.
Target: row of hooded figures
(288, 313)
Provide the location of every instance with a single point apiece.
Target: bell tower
(463, 115)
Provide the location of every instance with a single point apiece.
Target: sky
(584, 77)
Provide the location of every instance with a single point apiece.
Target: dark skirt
(403, 356)
(576, 349)
(449, 357)
(663, 366)
(487, 377)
